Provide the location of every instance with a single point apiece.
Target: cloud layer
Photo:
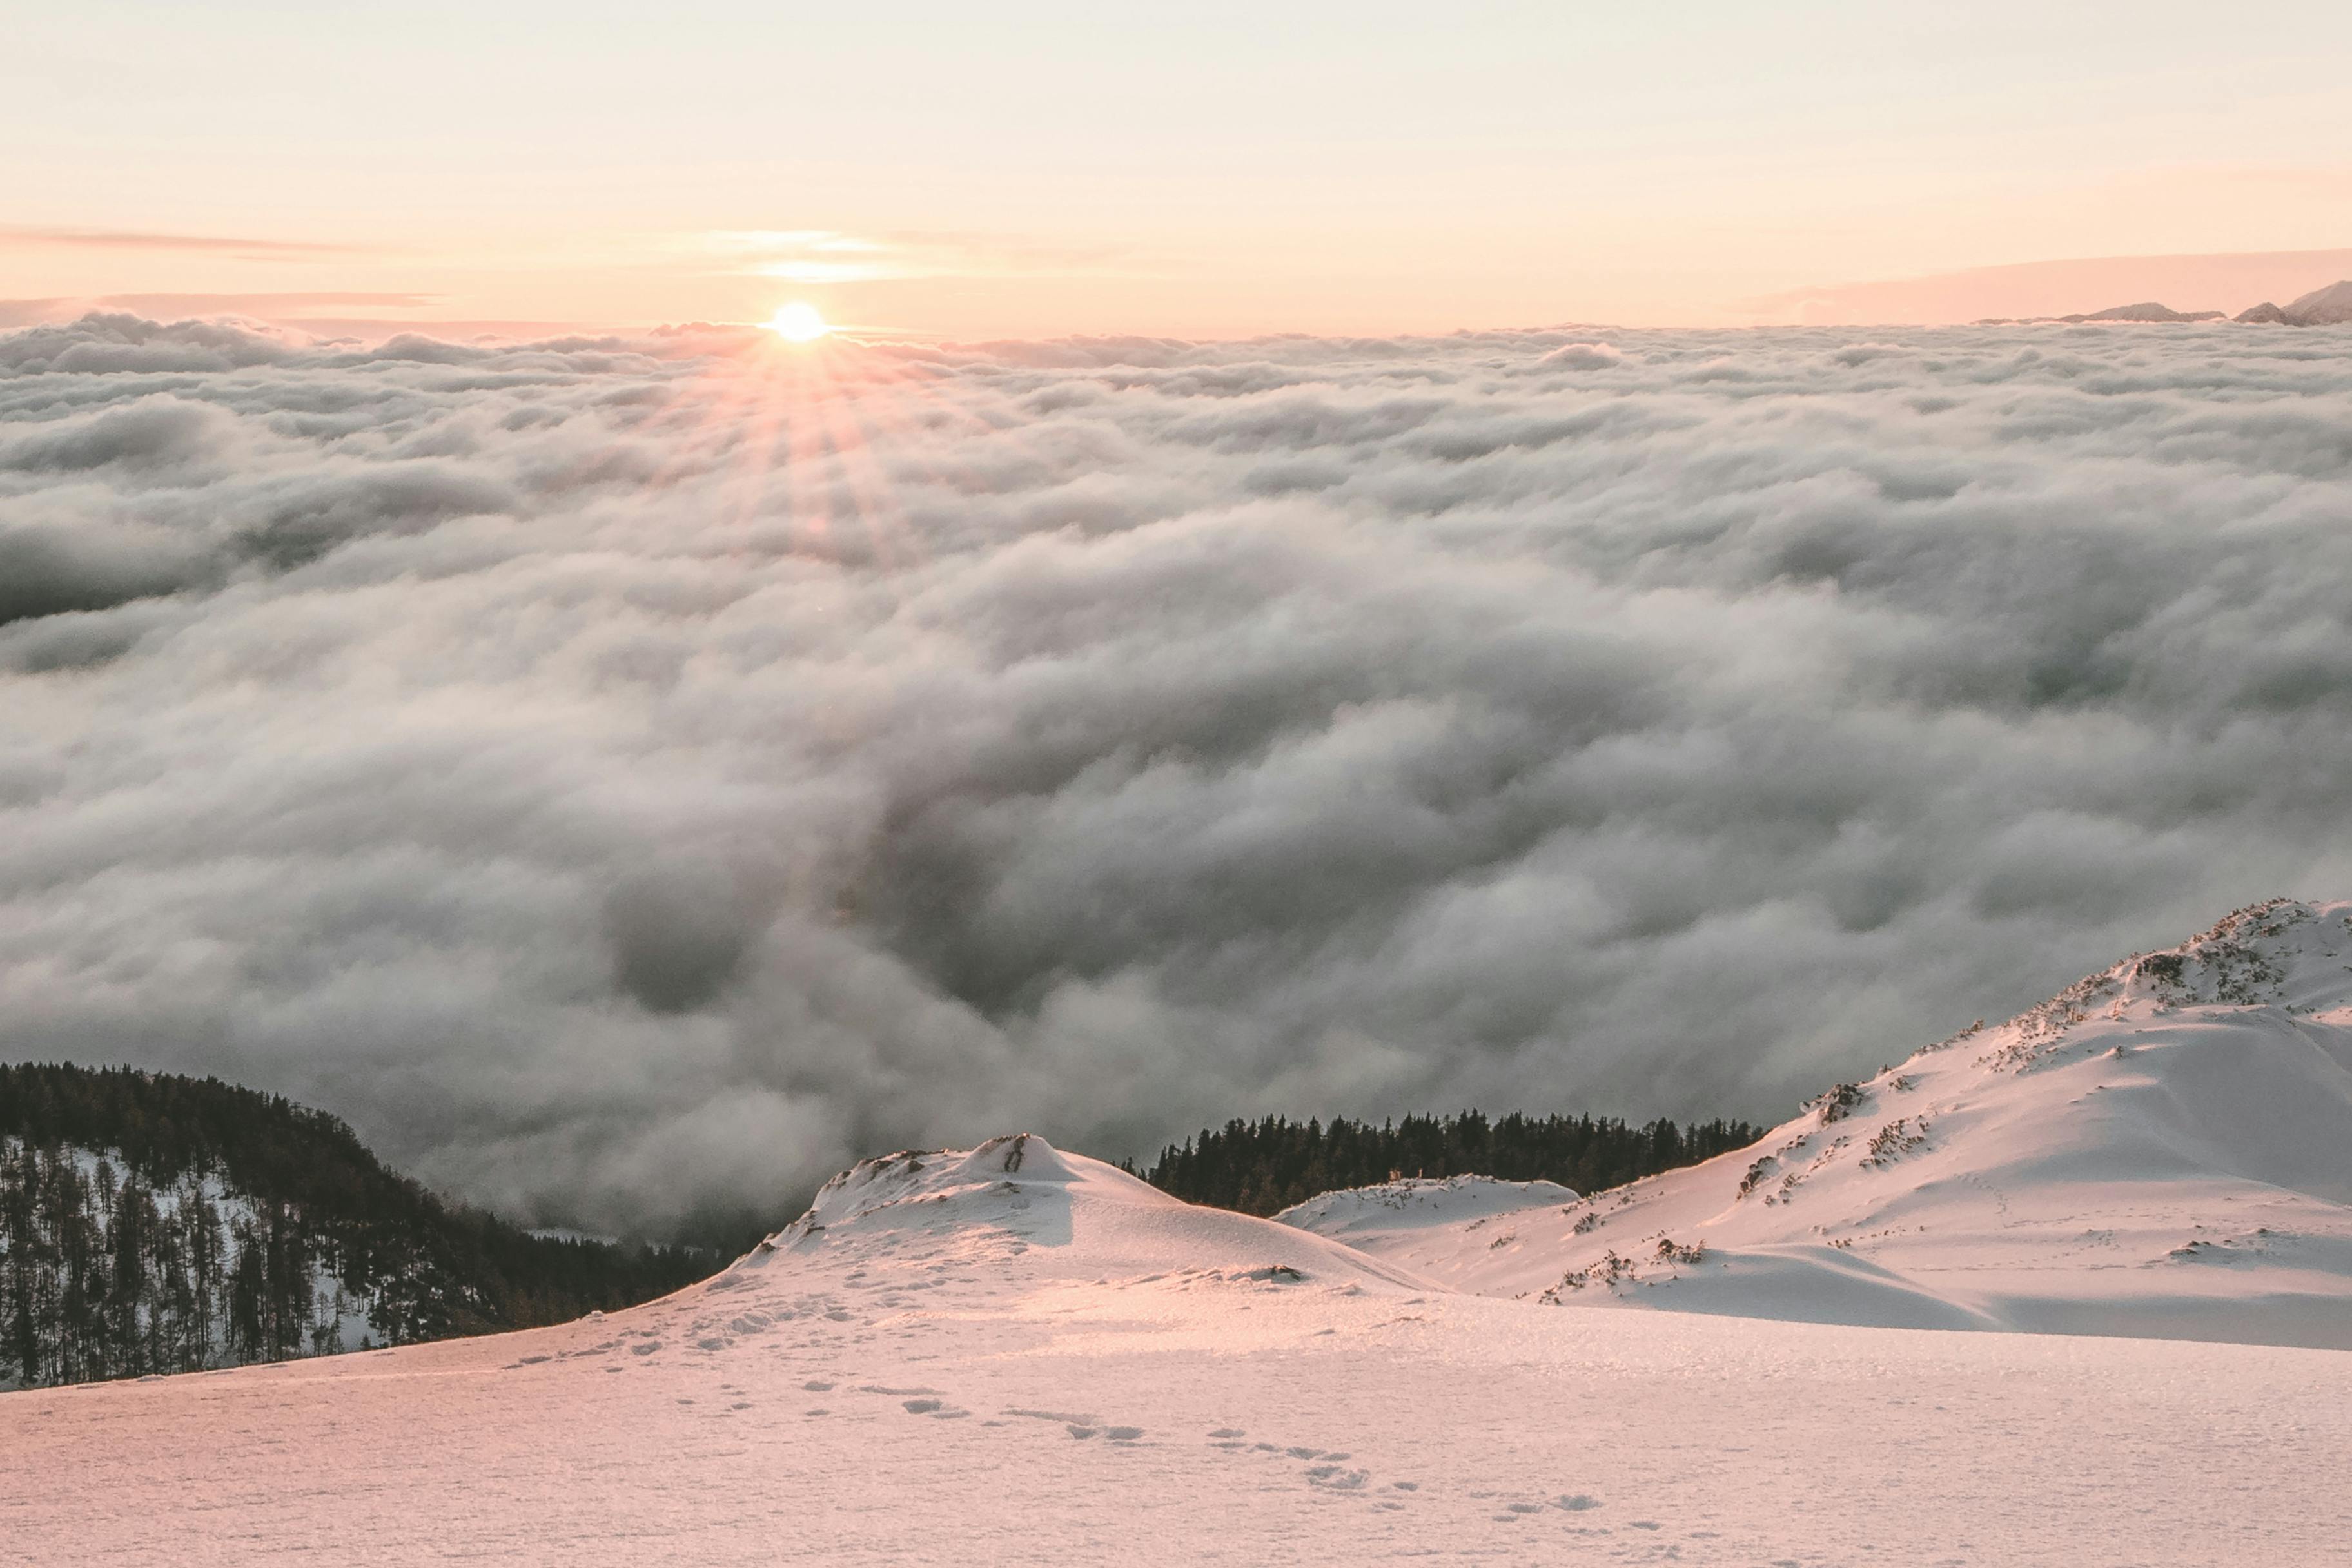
(631, 777)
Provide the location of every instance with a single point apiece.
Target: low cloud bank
(629, 777)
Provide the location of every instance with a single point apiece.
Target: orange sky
(1045, 169)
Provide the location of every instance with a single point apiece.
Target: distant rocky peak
(2328, 306)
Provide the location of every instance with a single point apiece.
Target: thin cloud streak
(120, 239)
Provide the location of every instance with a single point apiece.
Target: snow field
(951, 1359)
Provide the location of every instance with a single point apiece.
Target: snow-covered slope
(1015, 1354)
(2163, 1149)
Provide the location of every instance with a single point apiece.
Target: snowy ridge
(2164, 1148)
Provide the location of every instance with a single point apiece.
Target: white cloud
(540, 755)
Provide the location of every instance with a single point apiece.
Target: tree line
(1260, 1167)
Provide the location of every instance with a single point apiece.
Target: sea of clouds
(631, 778)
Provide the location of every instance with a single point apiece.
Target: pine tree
(1272, 1164)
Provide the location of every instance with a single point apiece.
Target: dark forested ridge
(1262, 1166)
(155, 1222)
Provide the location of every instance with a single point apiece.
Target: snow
(2150, 1152)
(1395, 1218)
(1017, 1353)
(1018, 1199)
(1365, 1215)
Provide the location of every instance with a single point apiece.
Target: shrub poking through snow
(1894, 1141)
(1837, 1102)
(1608, 1271)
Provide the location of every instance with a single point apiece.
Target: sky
(1212, 171)
(630, 778)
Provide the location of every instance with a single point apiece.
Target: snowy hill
(2164, 1149)
(1017, 1354)
(1024, 1209)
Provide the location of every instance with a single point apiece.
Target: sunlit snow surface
(1019, 1355)
(2164, 1149)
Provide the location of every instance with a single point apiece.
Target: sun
(798, 322)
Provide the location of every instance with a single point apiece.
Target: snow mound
(1016, 1212)
(911, 1175)
(1791, 1283)
(1366, 1217)
(2164, 1148)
